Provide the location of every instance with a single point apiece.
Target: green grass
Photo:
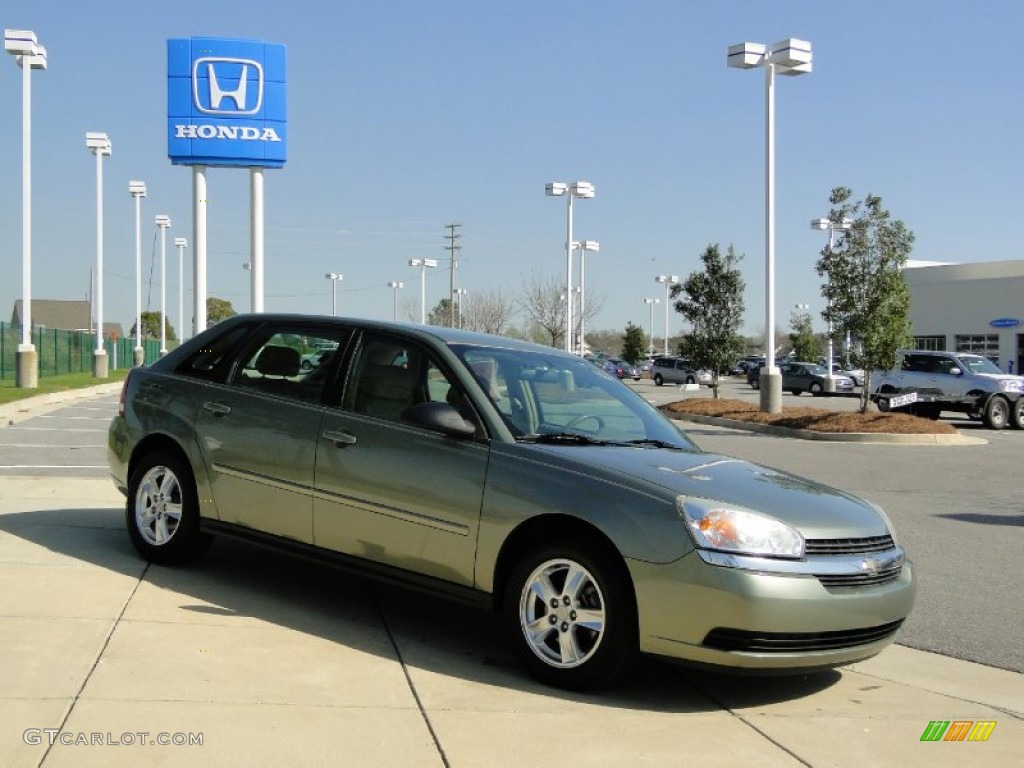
(48, 384)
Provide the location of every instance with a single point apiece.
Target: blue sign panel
(226, 102)
(1006, 322)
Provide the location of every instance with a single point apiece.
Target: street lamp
(424, 265)
(583, 246)
(395, 287)
(786, 57)
(100, 146)
(832, 226)
(459, 293)
(23, 45)
(335, 278)
(668, 280)
(164, 223)
(137, 189)
(182, 244)
(583, 189)
(652, 302)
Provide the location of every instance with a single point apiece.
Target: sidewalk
(277, 662)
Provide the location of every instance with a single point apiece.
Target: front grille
(848, 546)
(866, 579)
(724, 639)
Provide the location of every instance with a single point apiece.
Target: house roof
(62, 314)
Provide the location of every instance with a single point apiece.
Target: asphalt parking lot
(274, 661)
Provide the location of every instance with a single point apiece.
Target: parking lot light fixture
(395, 286)
(832, 227)
(582, 189)
(651, 303)
(584, 246)
(424, 265)
(787, 57)
(29, 55)
(335, 278)
(669, 281)
(137, 189)
(99, 145)
(163, 223)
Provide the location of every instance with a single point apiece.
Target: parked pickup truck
(927, 383)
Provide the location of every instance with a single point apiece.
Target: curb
(886, 438)
(29, 407)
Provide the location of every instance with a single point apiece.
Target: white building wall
(961, 299)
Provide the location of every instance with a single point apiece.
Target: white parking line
(52, 429)
(37, 445)
(76, 418)
(53, 466)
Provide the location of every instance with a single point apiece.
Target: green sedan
(512, 475)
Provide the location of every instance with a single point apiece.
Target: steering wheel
(573, 423)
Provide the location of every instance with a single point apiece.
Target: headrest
(278, 361)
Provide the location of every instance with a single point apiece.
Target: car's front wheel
(162, 512)
(571, 615)
(815, 388)
(997, 412)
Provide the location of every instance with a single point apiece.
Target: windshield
(979, 364)
(540, 393)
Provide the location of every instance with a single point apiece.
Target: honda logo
(233, 86)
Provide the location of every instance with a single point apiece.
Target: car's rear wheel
(658, 381)
(1017, 413)
(755, 383)
(997, 412)
(162, 512)
(571, 616)
(883, 402)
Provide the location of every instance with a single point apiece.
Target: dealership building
(975, 307)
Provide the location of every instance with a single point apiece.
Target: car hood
(817, 511)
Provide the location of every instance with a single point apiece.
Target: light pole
(23, 45)
(137, 189)
(100, 146)
(583, 189)
(583, 246)
(459, 293)
(395, 287)
(832, 226)
(786, 57)
(668, 280)
(424, 265)
(335, 278)
(651, 303)
(164, 223)
(181, 243)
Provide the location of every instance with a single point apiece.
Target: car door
(258, 432)
(386, 490)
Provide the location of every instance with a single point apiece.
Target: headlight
(728, 529)
(885, 519)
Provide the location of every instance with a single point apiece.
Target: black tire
(796, 392)
(883, 402)
(603, 590)
(162, 512)
(690, 380)
(755, 383)
(997, 412)
(658, 381)
(1017, 413)
(815, 388)
(928, 411)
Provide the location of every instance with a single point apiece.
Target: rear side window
(210, 362)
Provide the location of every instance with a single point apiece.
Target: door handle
(217, 409)
(340, 439)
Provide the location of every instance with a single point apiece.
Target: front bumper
(752, 619)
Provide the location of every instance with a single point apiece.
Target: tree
(712, 302)
(608, 343)
(633, 343)
(544, 304)
(441, 313)
(151, 327)
(217, 310)
(806, 343)
(865, 290)
(487, 311)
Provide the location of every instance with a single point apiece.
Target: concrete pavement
(272, 661)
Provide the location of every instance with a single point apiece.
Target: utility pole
(452, 248)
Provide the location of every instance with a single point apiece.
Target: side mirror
(955, 372)
(439, 417)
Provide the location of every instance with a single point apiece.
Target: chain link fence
(63, 351)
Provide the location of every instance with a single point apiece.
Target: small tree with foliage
(632, 343)
(712, 302)
(218, 309)
(806, 343)
(865, 290)
(151, 327)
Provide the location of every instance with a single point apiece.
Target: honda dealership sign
(226, 102)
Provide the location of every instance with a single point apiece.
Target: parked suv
(954, 381)
(676, 370)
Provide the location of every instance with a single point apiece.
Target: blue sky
(405, 116)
